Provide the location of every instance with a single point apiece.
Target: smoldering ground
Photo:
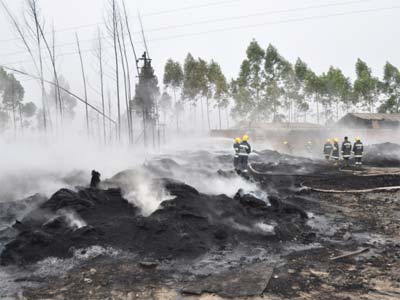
(205, 166)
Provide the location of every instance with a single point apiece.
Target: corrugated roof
(377, 117)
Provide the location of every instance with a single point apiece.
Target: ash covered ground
(185, 226)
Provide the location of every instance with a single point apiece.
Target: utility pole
(146, 93)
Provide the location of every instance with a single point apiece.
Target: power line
(226, 29)
(156, 13)
(209, 21)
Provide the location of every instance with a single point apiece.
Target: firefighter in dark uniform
(244, 151)
(288, 147)
(358, 150)
(95, 181)
(346, 151)
(236, 147)
(335, 151)
(328, 149)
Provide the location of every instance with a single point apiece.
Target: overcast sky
(321, 32)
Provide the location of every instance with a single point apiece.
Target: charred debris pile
(185, 227)
(190, 223)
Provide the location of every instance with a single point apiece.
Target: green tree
(173, 78)
(315, 86)
(218, 89)
(278, 75)
(203, 88)
(338, 88)
(365, 86)
(173, 74)
(190, 89)
(301, 71)
(29, 109)
(248, 90)
(390, 88)
(13, 96)
(190, 85)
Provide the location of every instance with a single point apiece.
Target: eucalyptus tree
(13, 95)
(194, 83)
(390, 89)
(248, 90)
(366, 86)
(277, 73)
(173, 78)
(218, 89)
(301, 71)
(338, 88)
(315, 87)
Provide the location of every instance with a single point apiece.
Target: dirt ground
(344, 223)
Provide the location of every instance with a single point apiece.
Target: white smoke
(147, 196)
(73, 220)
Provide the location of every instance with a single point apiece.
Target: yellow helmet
(238, 140)
(336, 140)
(245, 138)
(358, 139)
(285, 142)
(328, 140)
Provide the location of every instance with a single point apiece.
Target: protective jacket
(328, 149)
(236, 147)
(335, 151)
(358, 149)
(244, 149)
(346, 149)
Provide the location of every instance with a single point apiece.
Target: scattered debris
(248, 281)
(354, 253)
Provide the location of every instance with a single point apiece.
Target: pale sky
(321, 32)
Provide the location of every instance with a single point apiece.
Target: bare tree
(51, 52)
(99, 55)
(34, 12)
(84, 84)
(128, 79)
(124, 73)
(114, 32)
(39, 69)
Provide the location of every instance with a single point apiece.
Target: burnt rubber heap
(185, 227)
(383, 155)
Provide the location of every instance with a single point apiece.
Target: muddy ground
(305, 266)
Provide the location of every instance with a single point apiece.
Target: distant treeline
(270, 88)
(13, 111)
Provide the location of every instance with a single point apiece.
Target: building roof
(282, 125)
(375, 117)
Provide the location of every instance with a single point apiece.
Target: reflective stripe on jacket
(358, 149)
(328, 149)
(335, 151)
(236, 147)
(244, 149)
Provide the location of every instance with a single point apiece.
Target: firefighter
(236, 147)
(244, 151)
(328, 149)
(358, 149)
(335, 151)
(95, 181)
(346, 151)
(288, 147)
